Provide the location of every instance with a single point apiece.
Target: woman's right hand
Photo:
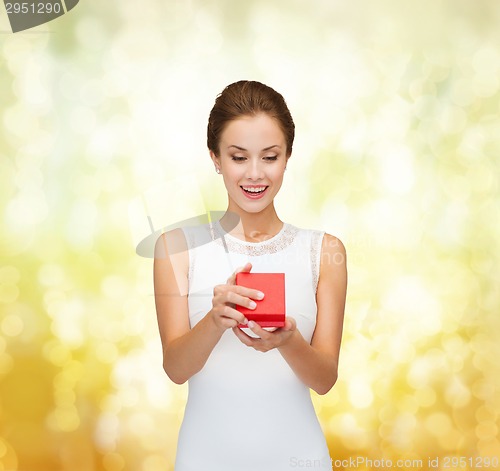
(226, 296)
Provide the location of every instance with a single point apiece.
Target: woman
(249, 406)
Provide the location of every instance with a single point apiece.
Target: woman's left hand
(267, 339)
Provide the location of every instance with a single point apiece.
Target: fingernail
(245, 321)
(251, 324)
(253, 304)
(260, 295)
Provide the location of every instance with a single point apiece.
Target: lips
(253, 191)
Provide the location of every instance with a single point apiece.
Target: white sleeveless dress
(247, 410)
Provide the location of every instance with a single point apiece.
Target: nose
(254, 170)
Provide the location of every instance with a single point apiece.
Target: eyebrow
(267, 148)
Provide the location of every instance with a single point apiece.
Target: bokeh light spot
(360, 394)
(486, 430)
(154, 463)
(6, 363)
(438, 424)
(425, 396)
(51, 274)
(113, 462)
(107, 432)
(9, 274)
(8, 456)
(107, 352)
(12, 325)
(64, 419)
(26, 209)
(57, 353)
(8, 293)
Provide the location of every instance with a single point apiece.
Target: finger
(229, 323)
(231, 313)
(235, 298)
(290, 324)
(257, 329)
(246, 268)
(244, 338)
(248, 292)
(218, 289)
(222, 291)
(270, 329)
(232, 279)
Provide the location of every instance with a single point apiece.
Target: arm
(315, 364)
(186, 350)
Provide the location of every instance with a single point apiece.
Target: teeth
(255, 190)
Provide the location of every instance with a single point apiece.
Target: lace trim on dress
(316, 242)
(275, 244)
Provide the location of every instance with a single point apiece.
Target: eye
(271, 157)
(237, 158)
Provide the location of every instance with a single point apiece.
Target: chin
(251, 208)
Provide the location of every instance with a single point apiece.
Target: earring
(217, 169)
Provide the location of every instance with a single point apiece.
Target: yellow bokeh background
(396, 105)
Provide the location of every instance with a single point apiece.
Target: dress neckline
(274, 244)
(275, 237)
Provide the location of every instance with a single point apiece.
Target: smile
(254, 192)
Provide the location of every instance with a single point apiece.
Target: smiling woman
(266, 375)
(253, 168)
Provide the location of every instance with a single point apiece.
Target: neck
(252, 226)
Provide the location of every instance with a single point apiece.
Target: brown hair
(248, 98)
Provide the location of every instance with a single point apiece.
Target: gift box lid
(270, 311)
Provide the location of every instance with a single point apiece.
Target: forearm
(186, 355)
(316, 369)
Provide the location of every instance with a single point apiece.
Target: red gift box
(270, 311)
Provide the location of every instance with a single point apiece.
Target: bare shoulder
(170, 243)
(333, 254)
(331, 296)
(171, 262)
